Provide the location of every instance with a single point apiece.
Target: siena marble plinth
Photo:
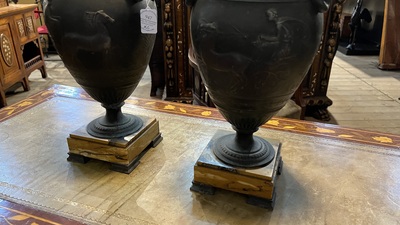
(123, 154)
(209, 171)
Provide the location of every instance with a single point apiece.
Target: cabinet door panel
(11, 71)
(20, 25)
(30, 26)
(3, 3)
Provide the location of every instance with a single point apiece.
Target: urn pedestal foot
(202, 188)
(77, 158)
(258, 184)
(124, 154)
(262, 202)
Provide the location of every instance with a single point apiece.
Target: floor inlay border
(277, 123)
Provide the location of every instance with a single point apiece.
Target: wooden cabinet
(20, 47)
(11, 68)
(3, 3)
(176, 41)
(25, 26)
(311, 95)
(389, 56)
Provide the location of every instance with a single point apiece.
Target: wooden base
(258, 184)
(123, 154)
(359, 49)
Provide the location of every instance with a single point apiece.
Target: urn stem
(114, 114)
(244, 140)
(114, 124)
(243, 149)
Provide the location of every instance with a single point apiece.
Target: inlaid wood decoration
(14, 213)
(21, 29)
(6, 50)
(3, 3)
(324, 174)
(10, 68)
(283, 124)
(20, 48)
(30, 26)
(179, 79)
(311, 95)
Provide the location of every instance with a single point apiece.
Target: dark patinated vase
(101, 44)
(252, 56)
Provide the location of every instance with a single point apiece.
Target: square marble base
(258, 183)
(123, 154)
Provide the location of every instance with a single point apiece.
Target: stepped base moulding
(258, 184)
(124, 153)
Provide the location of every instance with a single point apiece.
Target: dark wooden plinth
(258, 184)
(359, 49)
(123, 154)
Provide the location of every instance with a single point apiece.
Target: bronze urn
(102, 46)
(252, 55)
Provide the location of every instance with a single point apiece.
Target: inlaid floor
(363, 96)
(16, 214)
(324, 179)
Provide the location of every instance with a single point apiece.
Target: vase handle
(321, 5)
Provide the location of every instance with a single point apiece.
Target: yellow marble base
(259, 182)
(123, 154)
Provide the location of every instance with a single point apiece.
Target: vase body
(101, 44)
(252, 56)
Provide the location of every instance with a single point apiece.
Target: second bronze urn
(252, 55)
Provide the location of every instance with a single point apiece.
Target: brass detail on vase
(6, 50)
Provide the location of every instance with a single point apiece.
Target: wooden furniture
(3, 3)
(311, 95)
(331, 174)
(20, 47)
(178, 74)
(389, 56)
